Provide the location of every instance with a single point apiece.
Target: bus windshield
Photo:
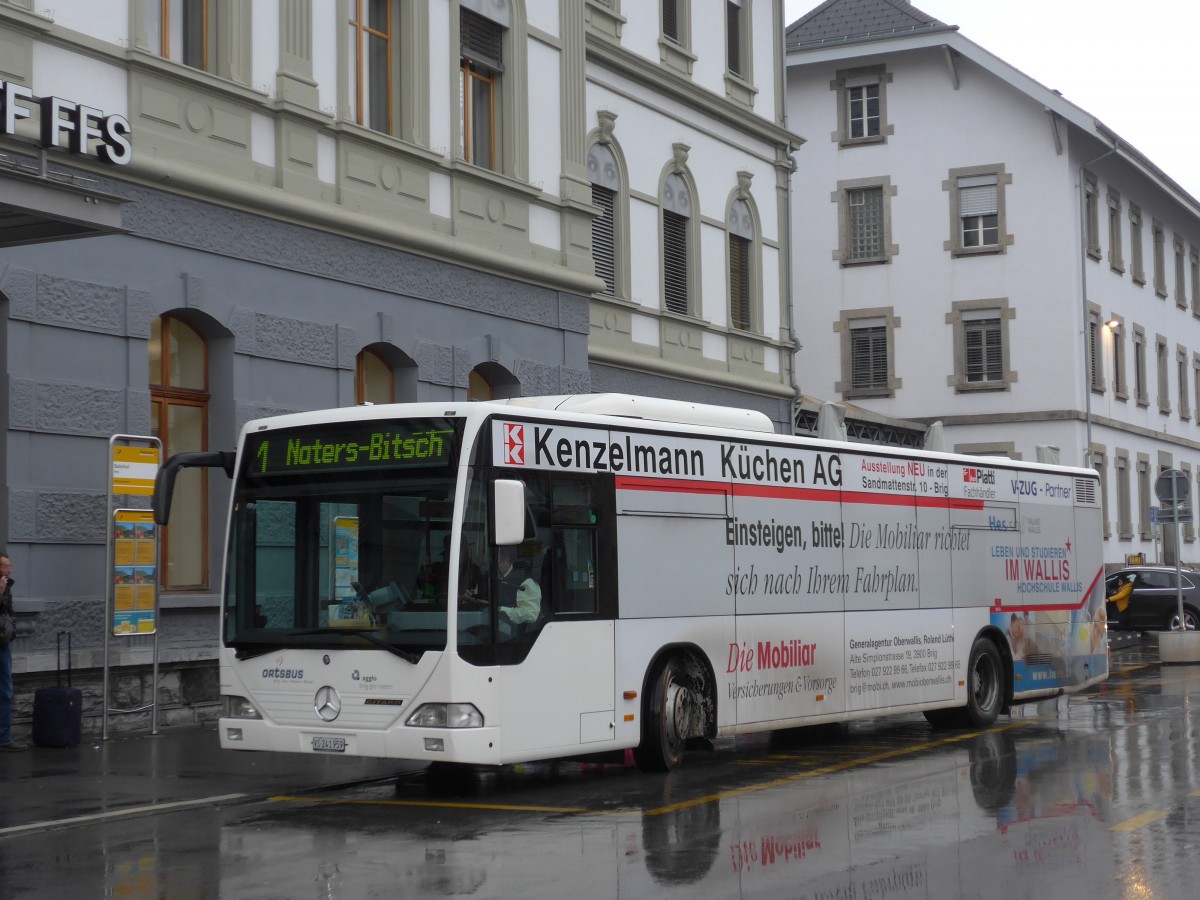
(340, 538)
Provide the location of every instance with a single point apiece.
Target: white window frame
(973, 191)
(849, 86)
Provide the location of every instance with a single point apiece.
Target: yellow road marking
(1139, 821)
(674, 807)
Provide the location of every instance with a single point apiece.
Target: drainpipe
(790, 304)
(1083, 257)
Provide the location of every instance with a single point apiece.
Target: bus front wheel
(667, 716)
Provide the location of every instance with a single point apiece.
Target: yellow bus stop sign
(133, 470)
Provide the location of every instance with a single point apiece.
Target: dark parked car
(1153, 605)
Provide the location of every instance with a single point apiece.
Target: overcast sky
(1129, 63)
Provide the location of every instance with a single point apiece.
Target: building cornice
(655, 366)
(300, 210)
(657, 79)
(1061, 415)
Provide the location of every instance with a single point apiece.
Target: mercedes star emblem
(327, 704)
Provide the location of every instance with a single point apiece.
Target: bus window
(575, 521)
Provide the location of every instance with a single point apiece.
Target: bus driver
(518, 598)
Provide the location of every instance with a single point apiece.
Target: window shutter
(603, 237)
(1094, 353)
(733, 35)
(1139, 369)
(868, 357)
(675, 262)
(482, 40)
(739, 282)
(984, 354)
(977, 196)
(1123, 500)
(670, 20)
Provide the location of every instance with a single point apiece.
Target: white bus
(507, 581)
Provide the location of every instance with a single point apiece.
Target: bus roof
(654, 409)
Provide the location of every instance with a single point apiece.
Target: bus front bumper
(480, 746)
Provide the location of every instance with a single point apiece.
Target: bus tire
(666, 713)
(985, 684)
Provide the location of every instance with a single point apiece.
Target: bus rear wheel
(985, 691)
(667, 715)
(985, 684)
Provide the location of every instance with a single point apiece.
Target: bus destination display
(350, 446)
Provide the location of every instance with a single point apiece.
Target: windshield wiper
(365, 634)
(249, 651)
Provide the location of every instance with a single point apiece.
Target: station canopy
(38, 203)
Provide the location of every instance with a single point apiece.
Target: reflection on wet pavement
(1093, 797)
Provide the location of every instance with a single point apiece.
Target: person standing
(7, 631)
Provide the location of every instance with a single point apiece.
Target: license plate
(329, 744)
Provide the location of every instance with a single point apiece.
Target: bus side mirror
(508, 512)
(164, 481)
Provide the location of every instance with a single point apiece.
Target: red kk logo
(514, 445)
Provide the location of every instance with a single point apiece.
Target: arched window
(677, 244)
(178, 379)
(374, 379)
(478, 387)
(492, 381)
(606, 183)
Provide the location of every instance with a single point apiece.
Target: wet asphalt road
(1094, 797)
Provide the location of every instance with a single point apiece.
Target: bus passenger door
(561, 695)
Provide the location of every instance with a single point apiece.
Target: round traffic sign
(1172, 484)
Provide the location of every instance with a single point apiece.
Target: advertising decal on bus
(850, 539)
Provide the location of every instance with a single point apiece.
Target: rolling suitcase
(58, 710)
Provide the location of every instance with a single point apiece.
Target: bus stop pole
(1178, 566)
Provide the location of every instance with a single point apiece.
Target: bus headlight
(447, 715)
(239, 708)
